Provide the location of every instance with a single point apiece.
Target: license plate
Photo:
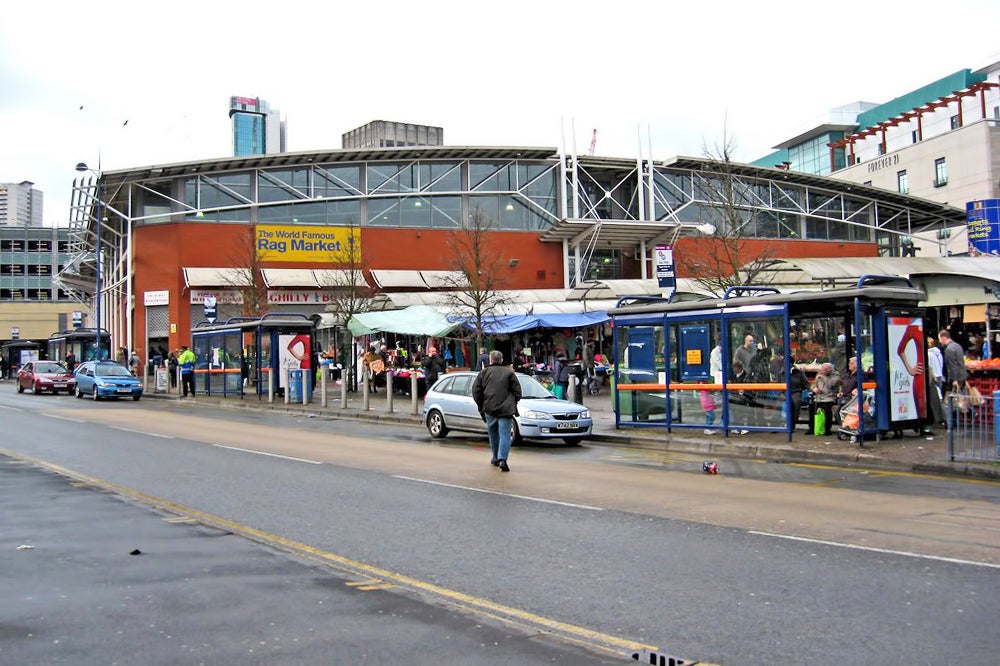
(59, 385)
(124, 390)
(567, 426)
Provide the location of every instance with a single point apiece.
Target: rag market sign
(312, 244)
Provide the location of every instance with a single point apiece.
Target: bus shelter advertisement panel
(294, 352)
(907, 389)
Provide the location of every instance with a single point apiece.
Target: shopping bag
(557, 391)
(819, 423)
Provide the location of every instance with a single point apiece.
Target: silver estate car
(448, 406)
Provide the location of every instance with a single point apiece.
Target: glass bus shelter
(664, 374)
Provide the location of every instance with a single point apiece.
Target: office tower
(257, 128)
(20, 205)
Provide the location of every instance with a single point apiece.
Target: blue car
(448, 406)
(106, 379)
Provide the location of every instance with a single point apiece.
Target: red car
(39, 376)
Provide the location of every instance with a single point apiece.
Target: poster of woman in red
(907, 382)
(294, 353)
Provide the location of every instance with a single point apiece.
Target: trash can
(295, 385)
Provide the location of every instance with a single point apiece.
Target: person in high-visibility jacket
(186, 361)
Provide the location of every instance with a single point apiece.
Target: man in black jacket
(496, 392)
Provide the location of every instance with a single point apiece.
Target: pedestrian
(825, 388)
(955, 375)
(172, 364)
(483, 361)
(707, 399)
(70, 362)
(372, 366)
(434, 366)
(133, 363)
(122, 356)
(560, 375)
(745, 353)
(496, 392)
(186, 361)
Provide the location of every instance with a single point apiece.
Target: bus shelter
(245, 355)
(83, 342)
(730, 364)
(16, 353)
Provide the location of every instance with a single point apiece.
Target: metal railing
(972, 432)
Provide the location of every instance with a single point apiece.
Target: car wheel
(95, 396)
(35, 390)
(573, 441)
(20, 389)
(136, 397)
(515, 433)
(435, 424)
(79, 393)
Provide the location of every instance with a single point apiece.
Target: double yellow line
(371, 577)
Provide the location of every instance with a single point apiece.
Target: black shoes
(503, 466)
(494, 462)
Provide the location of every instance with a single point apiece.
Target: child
(707, 399)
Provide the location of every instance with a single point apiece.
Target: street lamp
(81, 167)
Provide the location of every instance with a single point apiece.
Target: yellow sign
(694, 357)
(305, 243)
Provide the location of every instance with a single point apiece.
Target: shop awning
(522, 322)
(217, 277)
(339, 277)
(289, 277)
(398, 280)
(414, 320)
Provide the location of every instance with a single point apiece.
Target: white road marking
(13, 409)
(272, 455)
(141, 432)
(63, 418)
(495, 492)
(886, 551)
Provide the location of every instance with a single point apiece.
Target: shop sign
(983, 221)
(307, 243)
(160, 297)
(300, 296)
(222, 296)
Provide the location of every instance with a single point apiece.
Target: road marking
(141, 432)
(497, 492)
(508, 614)
(886, 551)
(265, 453)
(63, 418)
(876, 473)
(13, 409)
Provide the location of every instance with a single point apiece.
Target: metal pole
(324, 373)
(413, 393)
(388, 391)
(288, 385)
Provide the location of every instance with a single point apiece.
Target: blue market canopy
(414, 320)
(514, 323)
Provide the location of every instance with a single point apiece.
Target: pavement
(926, 454)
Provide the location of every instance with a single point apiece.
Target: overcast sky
(514, 73)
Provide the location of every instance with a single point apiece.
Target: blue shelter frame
(83, 342)
(665, 376)
(244, 353)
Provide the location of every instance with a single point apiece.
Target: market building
(175, 235)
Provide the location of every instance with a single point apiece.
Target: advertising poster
(294, 353)
(907, 390)
(665, 275)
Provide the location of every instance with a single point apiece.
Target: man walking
(496, 392)
(954, 362)
(186, 361)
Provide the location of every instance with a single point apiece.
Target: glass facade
(29, 259)
(248, 134)
(813, 156)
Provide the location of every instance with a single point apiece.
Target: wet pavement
(913, 452)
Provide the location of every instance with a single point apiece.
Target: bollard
(389, 393)
(288, 385)
(324, 374)
(270, 386)
(572, 389)
(365, 399)
(343, 389)
(414, 399)
(306, 384)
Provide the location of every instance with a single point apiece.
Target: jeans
(498, 428)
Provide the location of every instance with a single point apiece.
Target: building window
(903, 182)
(916, 136)
(940, 172)
(955, 124)
(881, 149)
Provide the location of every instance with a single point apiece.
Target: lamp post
(81, 167)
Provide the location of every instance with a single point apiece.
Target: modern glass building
(176, 232)
(257, 128)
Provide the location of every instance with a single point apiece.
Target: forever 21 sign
(883, 162)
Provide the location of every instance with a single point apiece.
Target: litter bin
(295, 385)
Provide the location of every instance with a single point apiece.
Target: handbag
(377, 367)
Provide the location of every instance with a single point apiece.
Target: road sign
(210, 311)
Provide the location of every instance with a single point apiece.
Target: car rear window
(49, 367)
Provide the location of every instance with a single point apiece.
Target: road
(612, 550)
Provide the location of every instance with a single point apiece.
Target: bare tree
(347, 291)
(731, 256)
(245, 276)
(476, 288)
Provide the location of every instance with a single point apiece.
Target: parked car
(448, 406)
(41, 376)
(106, 379)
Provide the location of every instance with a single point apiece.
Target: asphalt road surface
(579, 554)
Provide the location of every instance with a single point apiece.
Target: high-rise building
(388, 134)
(20, 205)
(257, 128)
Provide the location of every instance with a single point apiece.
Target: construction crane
(593, 143)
